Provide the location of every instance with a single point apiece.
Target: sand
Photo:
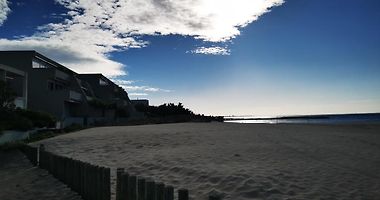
(239, 161)
(20, 180)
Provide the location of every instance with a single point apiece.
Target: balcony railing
(53, 73)
(61, 75)
(76, 96)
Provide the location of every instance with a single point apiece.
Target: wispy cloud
(143, 88)
(212, 51)
(122, 82)
(138, 94)
(129, 86)
(94, 29)
(4, 11)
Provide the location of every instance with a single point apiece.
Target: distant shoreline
(319, 116)
(310, 119)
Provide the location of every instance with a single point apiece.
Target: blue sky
(262, 57)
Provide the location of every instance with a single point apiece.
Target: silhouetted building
(140, 102)
(109, 94)
(42, 84)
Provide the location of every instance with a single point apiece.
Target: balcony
(75, 96)
(52, 73)
(66, 95)
(20, 102)
(61, 75)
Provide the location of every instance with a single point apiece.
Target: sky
(217, 57)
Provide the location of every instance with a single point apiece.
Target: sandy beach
(239, 161)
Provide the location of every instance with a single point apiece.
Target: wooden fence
(94, 183)
(89, 181)
(31, 153)
(130, 187)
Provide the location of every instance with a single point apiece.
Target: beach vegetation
(12, 118)
(98, 103)
(171, 113)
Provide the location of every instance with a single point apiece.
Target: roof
(42, 57)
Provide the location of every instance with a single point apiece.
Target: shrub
(18, 119)
(21, 124)
(38, 119)
(73, 127)
(98, 103)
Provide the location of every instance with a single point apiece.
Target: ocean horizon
(307, 119)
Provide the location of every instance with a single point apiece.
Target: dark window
(58, 86)
(50, 85)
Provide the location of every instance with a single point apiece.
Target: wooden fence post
(124, 186)
(47, 161)
(40, 148)
(160, 190)
(86, 181)
(65, 170)
(33, 156)
(92, 182)
(78, 176)
(183, 194)
(82, 179)
(72, 174)
(214, 197)
(141, 189)
(132, 188)
(101, 184)
(54, 162)
(75, 176)
(97, 193)
(150, 190)
(169, 193)
(107, 183)
(119, 173)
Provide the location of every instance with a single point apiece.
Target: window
(102, 82)
(50, 85)
(38, 64)
(55, 85)
(59, 86)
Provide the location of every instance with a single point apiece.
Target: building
(42, 84)
(109, 94)
(140, 102)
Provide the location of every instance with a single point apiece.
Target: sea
(308, 119)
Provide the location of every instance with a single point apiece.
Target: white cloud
(94, 29)
(4, 11)
(142, 88)
(137, 89)
(137, 94)
(209, 20)
(122, 82)
(212, 51)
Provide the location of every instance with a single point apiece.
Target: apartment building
(42, 84)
